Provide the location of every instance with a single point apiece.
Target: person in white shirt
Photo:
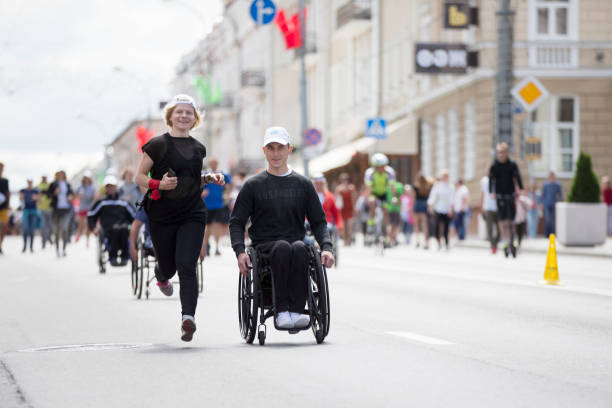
(489, 213)
(440, 205)
(460, 206)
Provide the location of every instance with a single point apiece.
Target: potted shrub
(582, 220)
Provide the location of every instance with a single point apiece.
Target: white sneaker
(188, 327)
(300, 320)
(283, 320)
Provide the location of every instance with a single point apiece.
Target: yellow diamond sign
(530, 93)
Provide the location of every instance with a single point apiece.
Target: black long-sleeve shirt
(278, 207)
(111, 211)
(502, 176)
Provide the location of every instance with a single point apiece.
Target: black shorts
(381, 198)
(220, 215)
(506, 208)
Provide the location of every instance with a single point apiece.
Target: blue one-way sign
(263, 11)
(376, 128)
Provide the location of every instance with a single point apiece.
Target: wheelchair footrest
(293, 331)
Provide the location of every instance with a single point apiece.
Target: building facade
(360, 64)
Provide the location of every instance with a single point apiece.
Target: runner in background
(347, 194)
(46, 212)
(5, 198)
(394, 190)
(29, 219)
(422, 188)
(129, 190)
(217, 205)
(86, 193)
(406, 212)
(61, 198)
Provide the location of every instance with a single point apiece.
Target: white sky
(61, 96)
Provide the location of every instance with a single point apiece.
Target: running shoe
(188, 327)
(166, 287)
(284, 321)
(300, 321)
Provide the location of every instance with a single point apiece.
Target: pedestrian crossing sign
(530, 93)
(376, 128)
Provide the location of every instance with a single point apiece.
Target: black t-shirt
(4, 189)
(184, 155)
(502, 176)
(278, 207)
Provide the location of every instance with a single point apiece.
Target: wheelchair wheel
(319, 298)
(248, 302)
(139, 273)
(101, 253)
(200, 272)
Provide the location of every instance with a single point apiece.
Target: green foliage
(585, 186)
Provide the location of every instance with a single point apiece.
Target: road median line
(420, 338)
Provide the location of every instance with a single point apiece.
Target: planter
(581, 224)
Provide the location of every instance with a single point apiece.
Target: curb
(560, 251)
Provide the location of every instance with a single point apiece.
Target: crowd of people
(182, 206)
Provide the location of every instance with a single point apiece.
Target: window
(553, 19)
(453, 145)
(440, 143)
(556, 124)
(425, 149)
(469, 167)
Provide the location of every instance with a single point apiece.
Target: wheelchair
(334, 235)
(103, 252)
(143, 271)
(256, 298)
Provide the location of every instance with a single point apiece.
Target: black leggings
(444, 220)
(289, 264)
(177, 248)
(117, 241)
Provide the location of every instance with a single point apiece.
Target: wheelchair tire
(200, 272)
(261, 336)
(248, 302)
(140, 264)
(134, 275)
(320, 299)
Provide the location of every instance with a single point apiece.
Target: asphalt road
(411, 328)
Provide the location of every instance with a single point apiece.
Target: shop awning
(339, 156)
(402, 138)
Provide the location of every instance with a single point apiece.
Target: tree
(585, 185)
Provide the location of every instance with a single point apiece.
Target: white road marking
(420, 338)
(87, 347)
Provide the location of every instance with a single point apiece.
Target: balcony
(353, 15)
(553, 56)
(353, 10)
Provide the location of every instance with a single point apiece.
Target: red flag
(290, 29)
(143, 135)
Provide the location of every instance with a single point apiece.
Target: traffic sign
(533, 148)
(312, 137)
(376, 128)
(530, 93)
(263, 11)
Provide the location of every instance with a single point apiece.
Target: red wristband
(153, 184)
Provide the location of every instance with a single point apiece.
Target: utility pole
(504, 77)
(303, 96)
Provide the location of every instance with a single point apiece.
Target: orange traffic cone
(551, 273)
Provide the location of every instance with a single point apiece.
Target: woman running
(422, 187)
(61, 199)
(28, 197)
(177, 214)
(86, 193)
(346, 190)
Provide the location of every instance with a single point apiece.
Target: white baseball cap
(276, 134)
(181, 98)
(110, 179)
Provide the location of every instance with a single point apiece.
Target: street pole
(504, 77)
(303, 96)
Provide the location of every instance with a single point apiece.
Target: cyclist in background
(376, 179)
(504, 177)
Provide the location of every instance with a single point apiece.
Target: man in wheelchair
(115, 216)
(277, 201)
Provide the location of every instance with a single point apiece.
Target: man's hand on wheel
(244, 263)
(327, 259)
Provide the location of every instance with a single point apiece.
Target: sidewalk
(540, 245)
